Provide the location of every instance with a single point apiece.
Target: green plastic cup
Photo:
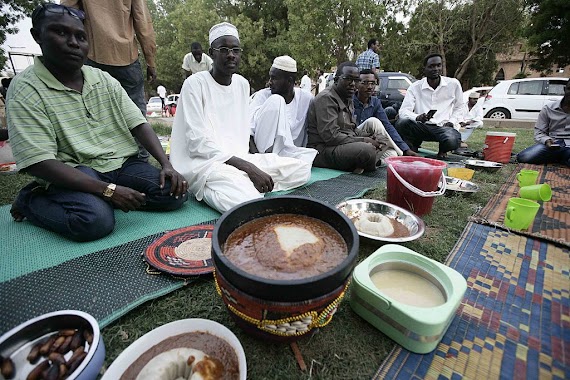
(520, 213)
(527, 177)
(541, 192)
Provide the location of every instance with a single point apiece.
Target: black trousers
(415, 132)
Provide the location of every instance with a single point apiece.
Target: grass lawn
(349, 347)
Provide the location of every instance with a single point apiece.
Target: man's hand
(261, 180)
(422, 118)
(178, 185)
(448, 124)
(410, 152)
(370, 140)
(127, 199)
(16, 213)
(150, 74)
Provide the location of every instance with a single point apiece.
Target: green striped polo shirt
(47, 120)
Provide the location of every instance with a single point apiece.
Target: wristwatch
(109, 190)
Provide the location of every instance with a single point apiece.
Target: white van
(522, 98)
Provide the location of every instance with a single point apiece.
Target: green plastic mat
(28, 248)
(43, 272)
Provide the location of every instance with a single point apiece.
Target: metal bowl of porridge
(407, 226)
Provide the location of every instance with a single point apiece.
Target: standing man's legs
(132, 80)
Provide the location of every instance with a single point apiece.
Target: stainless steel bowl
(355, 207)
(488, 166)
(460, 186)
(17, 343)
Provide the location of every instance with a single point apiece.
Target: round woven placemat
(183, 252)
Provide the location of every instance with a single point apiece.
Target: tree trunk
(462, 68)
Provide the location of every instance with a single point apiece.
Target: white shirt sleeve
(458, 105)
(186, 62)
(258, 99)
(409, 103)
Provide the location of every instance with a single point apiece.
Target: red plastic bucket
(498, 146)
(413, 182)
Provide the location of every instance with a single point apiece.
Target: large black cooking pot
(284, 290)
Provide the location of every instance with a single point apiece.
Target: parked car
(483, 91)
(154, 107)
(392, 88)
(172, 99)
(522, 98)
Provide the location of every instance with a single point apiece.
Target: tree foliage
(12, 12)
(549, 32)
(323, 33)
(466, 33)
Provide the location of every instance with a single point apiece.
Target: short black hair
(366, 71)
(342, 66)
(431, 55)
(195, 45)
(371, 42)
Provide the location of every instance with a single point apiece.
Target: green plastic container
(418, 329)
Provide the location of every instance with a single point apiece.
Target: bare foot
(442, 155)
(16, 213)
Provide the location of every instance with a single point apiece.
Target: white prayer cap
(285, 63)
(222, 29)
(474, 95)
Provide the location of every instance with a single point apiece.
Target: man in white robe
(211, 134)
(472, 117)
(278, 114)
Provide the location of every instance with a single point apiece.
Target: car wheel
(498, 113)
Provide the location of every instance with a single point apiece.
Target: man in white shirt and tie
(432, 110)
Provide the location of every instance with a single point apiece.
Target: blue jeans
(83, 216)
(541, 154)
(132, 80)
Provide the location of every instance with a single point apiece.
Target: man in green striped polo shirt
(73, 128)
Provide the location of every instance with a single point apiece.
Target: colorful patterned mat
(42, 272)
(514, 321)
(553, 219)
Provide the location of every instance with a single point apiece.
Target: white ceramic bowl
(18, 342)
(355, 207)
(150, 339)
